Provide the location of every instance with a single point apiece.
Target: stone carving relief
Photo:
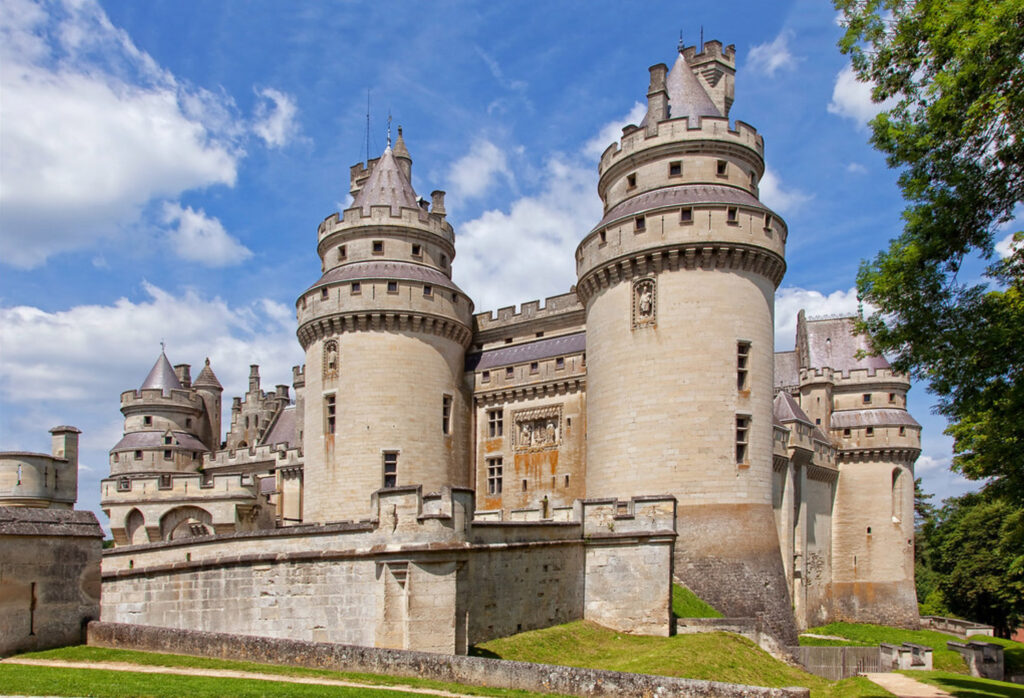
(330, 358)
(537, 429)
(645, 303)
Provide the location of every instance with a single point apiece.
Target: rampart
(412, 218)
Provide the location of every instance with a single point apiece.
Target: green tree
(976, 550)
(955, 71)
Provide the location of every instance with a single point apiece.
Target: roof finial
(389, 128)
(163, 346)
(701, 39)
(680, 45)
(367, 124)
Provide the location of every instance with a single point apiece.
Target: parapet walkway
(905, 687)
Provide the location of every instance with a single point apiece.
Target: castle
(445, 477)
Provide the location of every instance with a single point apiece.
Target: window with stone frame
(742, 436)
(742, 365)
(494, 475)
(330, 413)
(495, 423)
(390, 462)
(446, 414)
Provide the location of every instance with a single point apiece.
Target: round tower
(209, 389)
(678, 280)
(385, 332)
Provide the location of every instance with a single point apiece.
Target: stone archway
(185, 522)
(135, 528)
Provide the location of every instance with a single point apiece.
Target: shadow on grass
(973, 688)
(475, 651)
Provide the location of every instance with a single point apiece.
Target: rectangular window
(732, 215)
(392, 287)
(494, 475)
(903, 431)
(846, 433)
(324, 293)
(559, 363)
(428, 290)
(566, 480)
(640, 224)
(165, 481)
(534, 367)
(330, 410)
(742, 430)
(675, 168)
(390, 468)
(446, 414)
(742, 365)
(138, 455)
(167, 440)
(341, 252)
(604, 237)
(485, 377)
(188, 422)
(147, 420)
(767, 221)
(167, 454)
(495, 423)
(723, 168)
(867, 398)
(892, 397)
(444, 261)
(870, 431)
(631, 181)
(356, 288)
(524, 485)
(417, 251)
(378, 247)
(124, 485)
(510, 373)
(686, 215)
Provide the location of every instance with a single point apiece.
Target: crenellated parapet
(408, 220)
(650, 515)
(172, 400)
(558, 314)
(178, 487)
(272, 454)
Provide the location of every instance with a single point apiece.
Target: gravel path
(906, 687)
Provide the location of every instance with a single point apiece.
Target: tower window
(753, 178)
(631, 181)
(534, 367)
(897, 495)
(138, 455)
(324, 293)
(767, 221)
(446, 414)
(444, 261)
(188, 422)
(147, 420)
(167, 454)
(525, 484)
(356, 288)
(742, 365)
(341, 252)
(903, 431)
(167, 440)
(485, 377)
(330, 411)
(686, 215)
(675, 168)
(892, 397)
(867, 398)
(494, 475)
(417, 251)
(495, 423)
(870, 431)
(378, 247)
(428, 290)
(723, 168)
(390, 468)
(639, 224)
(510, 373)
(732, 215)
(742, 430)
(124, 485)
(846, 433)
(559, 363)
(392, 287)
(604, 237)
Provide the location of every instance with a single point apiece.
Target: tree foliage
(955, 69)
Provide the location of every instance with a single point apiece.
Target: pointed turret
(209, 389)
(207, 378)
(402, 155)
(161, 376)
(685, 94)
(387, 185)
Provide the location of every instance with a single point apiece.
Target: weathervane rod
(367, 124)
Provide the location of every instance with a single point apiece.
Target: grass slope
(686, 604)
(1013, 653)
(967, 686)
(943, 659)
(83, 653)
(711, 656)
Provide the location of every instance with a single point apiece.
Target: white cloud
(92, 130)
(275, 119)
(928, 463)
(1007, 246)
(612, 131)
(769, 58)
(856, 168)
(778, 197)
(199, 238)
(851, 98)
(790, 300)
(474, 173)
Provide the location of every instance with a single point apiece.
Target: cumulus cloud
(771, 57)
(275, 120)
(476, 172)
(612, 131)
(856, 168)
(851, 99)
(1009, 244)
(199, 238)
(778, 197)
(790, 300)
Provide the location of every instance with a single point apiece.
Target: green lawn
(1013, 652)
(943, 659)
(711, 656)
(686, 604)
(968, 686)
(83, 653)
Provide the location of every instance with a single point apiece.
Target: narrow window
(428, 290)
(686, 215)
(732, 215)
(494, 475)
(846, 433)
(539, 334)
(604, 237)
(818, 421)
(534, 367)
(341, 252)
(675, 168)
(390, 468)
(559, 363)
(870, 431)
(256, 421)
(167, 454)
(246, 422)
(524, 485)
(147, 420)
(753, 178)
(495, 423)
(446, 414)
(892, 397)
(742, 365)
(378, 247)
(723, 168)
(444, 261)
(867, 398)
(19, 473)
(188, 422)
(356, 288)
(897, 494)
(566, 480)
(767, 221)
(392, 287)
(510, 373)
(640, 224)
(324, 293)
(330, 410)
(485, 377)
(32, 609)
(417, 251)
(138, 455)
(742, 428)
(631, 181)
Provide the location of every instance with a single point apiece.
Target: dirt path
(906, 687)
(225, 674)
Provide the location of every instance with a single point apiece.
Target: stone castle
(444, 477)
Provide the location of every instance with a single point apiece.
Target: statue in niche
(549, 432)
(644, 303)
(331, 357)
(526, 434)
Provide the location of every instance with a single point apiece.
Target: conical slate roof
(785, 409)
(161, 376)
(686, 96)
(387, 185)
(207, 377)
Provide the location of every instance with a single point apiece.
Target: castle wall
(38, 480)
(816, 567)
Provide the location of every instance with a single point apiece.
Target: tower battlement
(417, 218)
(158, 399)
(566, 305)
(712, 50)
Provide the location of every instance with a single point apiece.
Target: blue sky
(165, 165)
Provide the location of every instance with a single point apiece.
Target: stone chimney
(184, 374)
(657, 98)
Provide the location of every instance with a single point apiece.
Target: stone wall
(495, 673)
(49, 577)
